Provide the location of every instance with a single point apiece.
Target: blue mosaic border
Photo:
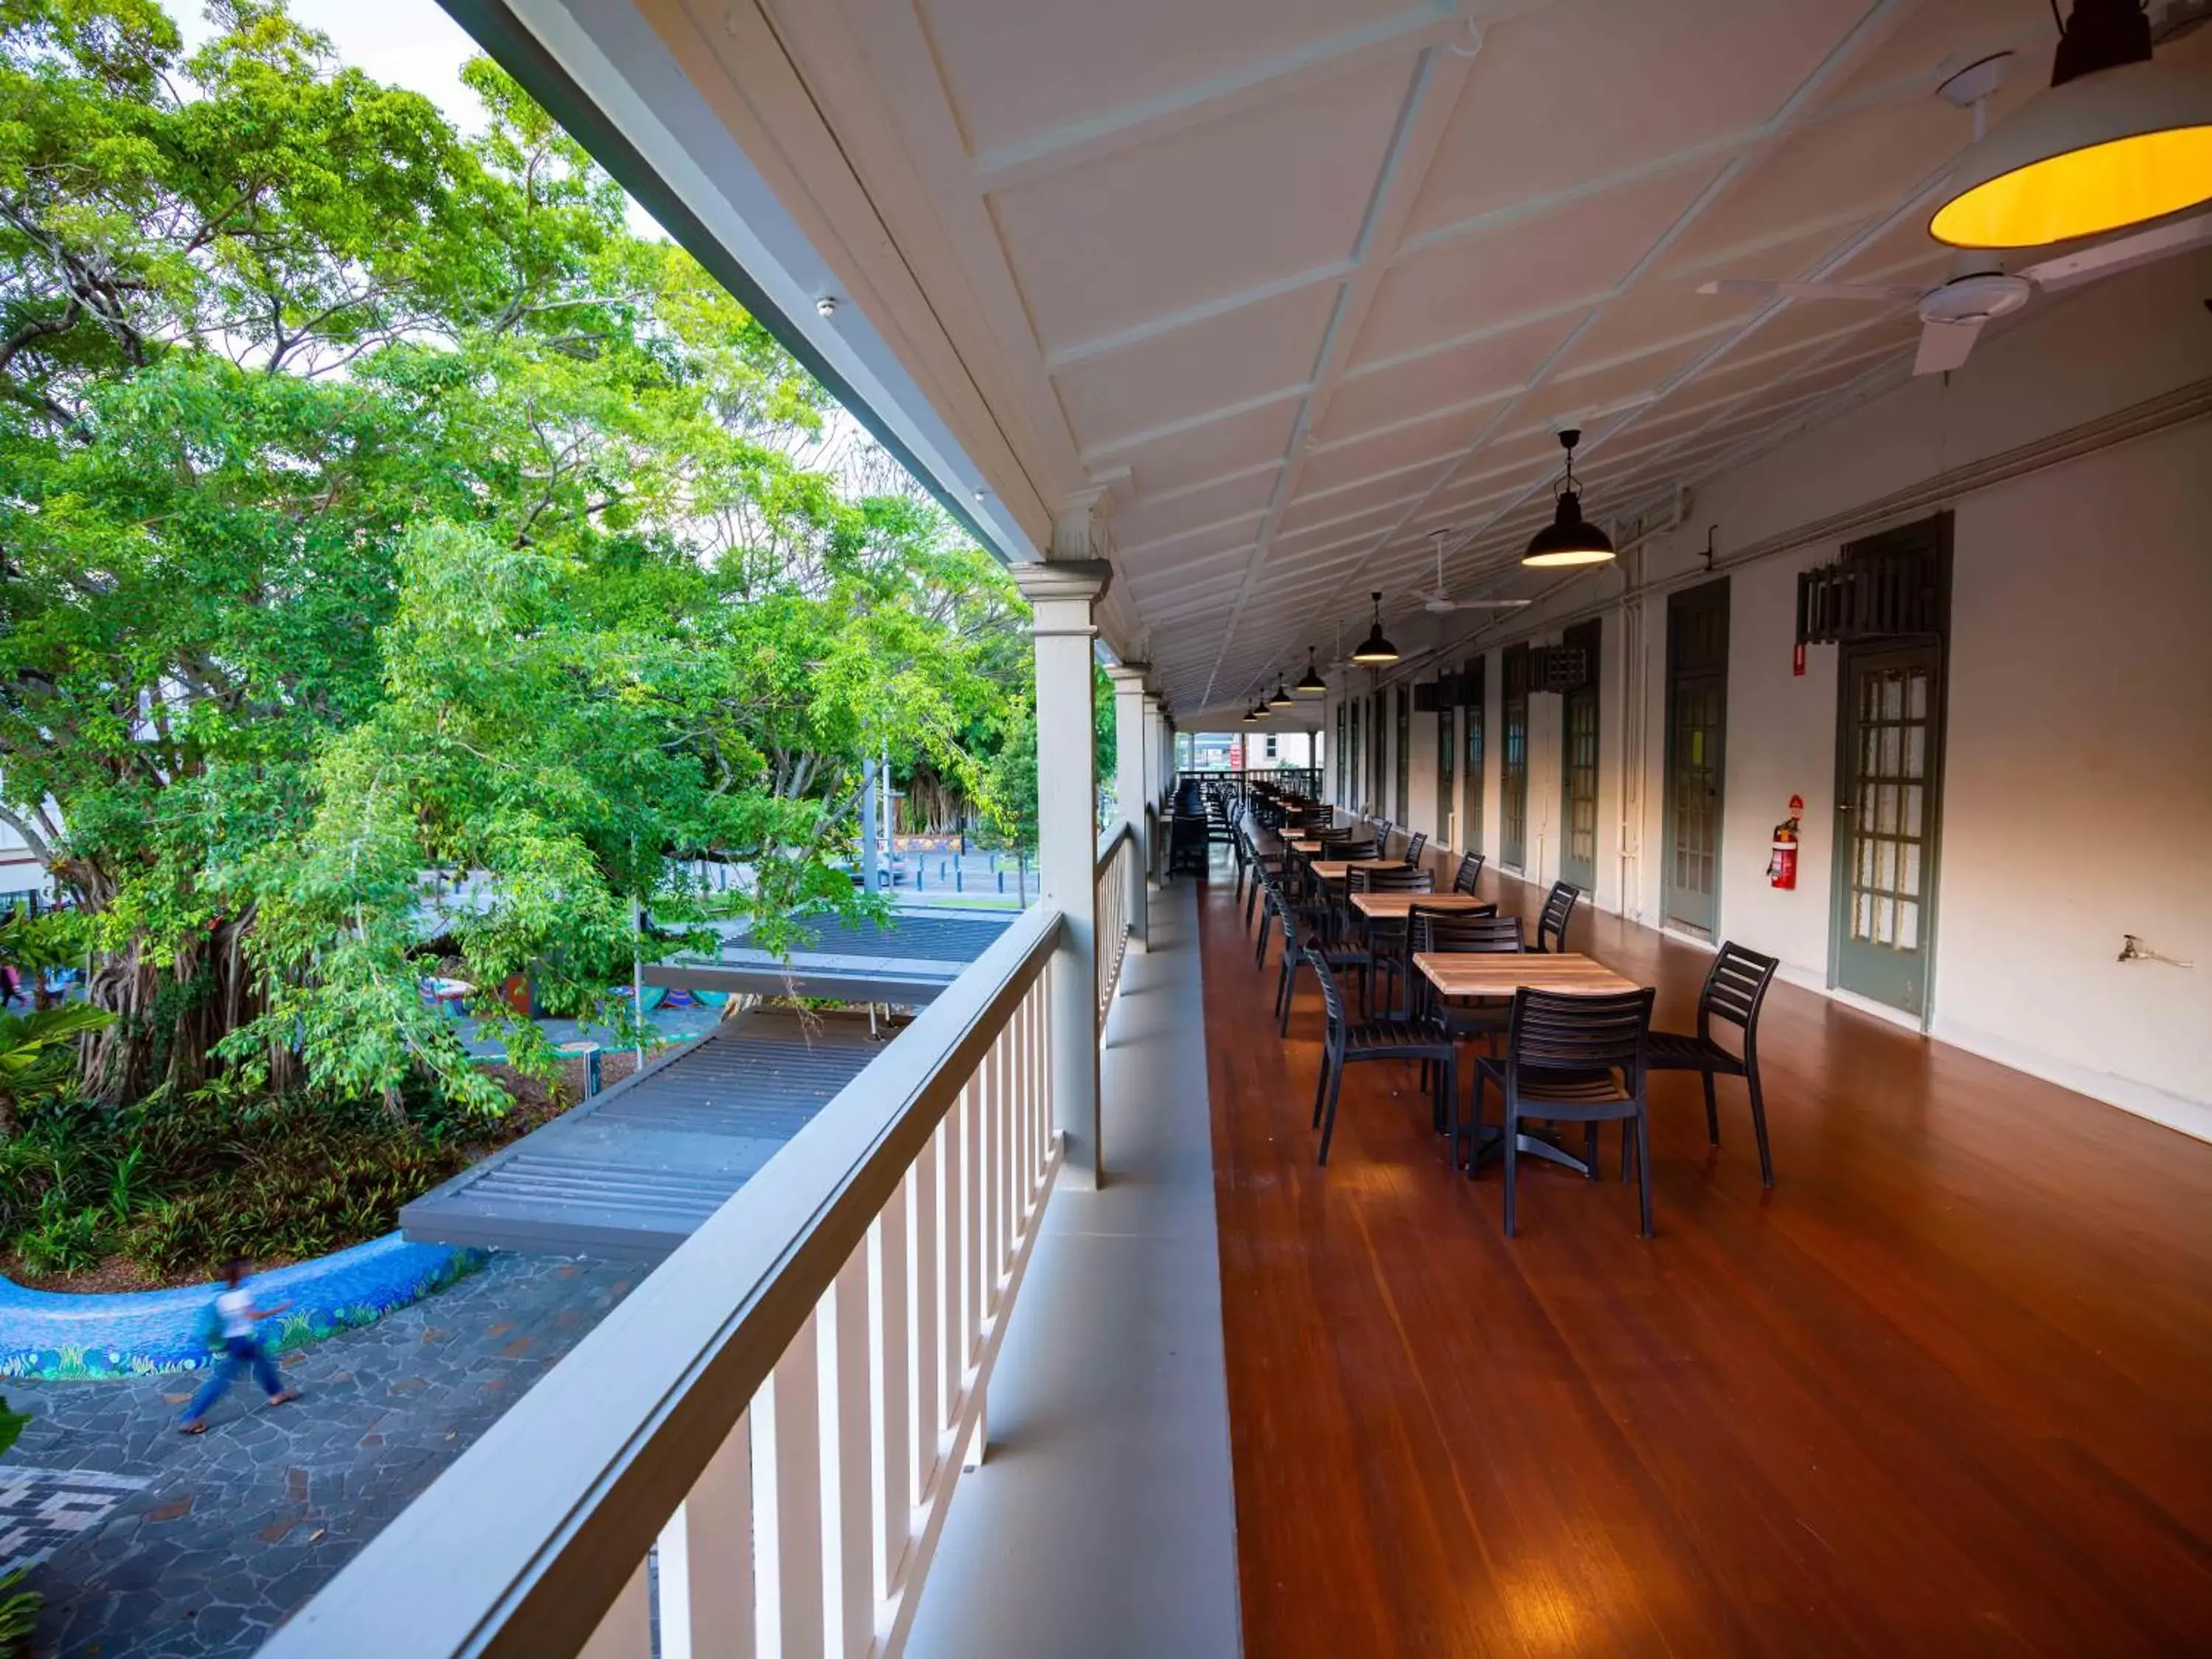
(59, 1337)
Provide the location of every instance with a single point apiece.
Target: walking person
(231, 1320)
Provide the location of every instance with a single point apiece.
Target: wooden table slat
(1499, 974)
(1393, 905)
(1340, 869)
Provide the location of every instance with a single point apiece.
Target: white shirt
(235, 1310)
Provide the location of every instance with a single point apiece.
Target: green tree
(372, 501)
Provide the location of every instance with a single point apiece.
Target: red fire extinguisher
(1782, 864)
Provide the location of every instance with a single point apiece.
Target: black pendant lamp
(1282, 699)
(1568, 540)
(1374, 651)
(2117, 140)
(1313, 682)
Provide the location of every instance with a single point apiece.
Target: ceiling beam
(1250, 84)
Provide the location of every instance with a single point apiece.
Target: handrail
(1109, 842)
(1117, 893)
(535, 1541)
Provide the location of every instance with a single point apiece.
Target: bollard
(590, 1054)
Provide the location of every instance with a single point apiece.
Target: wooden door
(1513, 764)
(1578, 764)
(1696, 714)
(1447, 750)
(1890, 745)
(1471, 799)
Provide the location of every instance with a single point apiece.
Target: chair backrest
(1470, 870)
(1351, 850)
(1413, 848)
(1464, 930)
(1383, 832)
(1332, 997)
(1385, 880)
(1555, 1030)
(1735, 988)
(1551, 926)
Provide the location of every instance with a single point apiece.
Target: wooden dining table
(1396, 907)
(1500, 974)
(1336, 870)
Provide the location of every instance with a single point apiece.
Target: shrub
(65, 1241)
(19, 1608)
(180, 1187)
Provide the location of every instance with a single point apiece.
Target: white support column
(1062, 594)
(1155, 784)
(1132, 785)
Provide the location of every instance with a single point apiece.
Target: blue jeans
(238, 1353)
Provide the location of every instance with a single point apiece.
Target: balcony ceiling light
(1313, 682)
(1374, 651)
(2117, 140)
(1282, 699)
(1568, 540)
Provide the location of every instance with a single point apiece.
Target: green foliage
(19, 1612)
(374, 501)
(38, 1053)
(179, 1188)
(65, 1241)
(18, 1607)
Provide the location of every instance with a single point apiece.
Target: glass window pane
(1908, 927)
(1914, 795)
(1919, 705)
(1886, 867)
(1885, 812)
(1911, 881)
(1889, 752)
(1862, 918)
(1893, 696)
(1916, 751)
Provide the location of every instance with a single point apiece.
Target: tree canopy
(372, 501)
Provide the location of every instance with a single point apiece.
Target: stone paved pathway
(240, 1526)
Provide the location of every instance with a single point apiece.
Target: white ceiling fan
(1440, 602)
(1953, 314)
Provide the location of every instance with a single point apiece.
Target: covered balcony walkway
(1940, 1391)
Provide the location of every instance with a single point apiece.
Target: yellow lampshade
(2121, 147)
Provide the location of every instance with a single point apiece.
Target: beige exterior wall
(2078, 794)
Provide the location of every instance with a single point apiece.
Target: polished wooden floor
(1946, 1390)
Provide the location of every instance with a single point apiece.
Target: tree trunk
(169, 1017)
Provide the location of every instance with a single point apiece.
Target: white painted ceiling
(1299, 281)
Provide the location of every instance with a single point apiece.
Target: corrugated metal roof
(906, 961)
(633, 1172)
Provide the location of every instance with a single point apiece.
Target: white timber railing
(753, 1453)
(1121, 873)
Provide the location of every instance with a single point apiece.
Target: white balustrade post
(1132, 786)
(707, 1559)
(1062, 594)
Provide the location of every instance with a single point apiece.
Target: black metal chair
(1444, 931)
(1346, 1042)
(1552, 924)
(1415, 848)
(1382, 836)
(1577, 1059)
(1323, 939)
(1735, 990)
(1385, 942)
(1470, 870)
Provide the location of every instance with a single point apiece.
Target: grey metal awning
(634, 1171)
